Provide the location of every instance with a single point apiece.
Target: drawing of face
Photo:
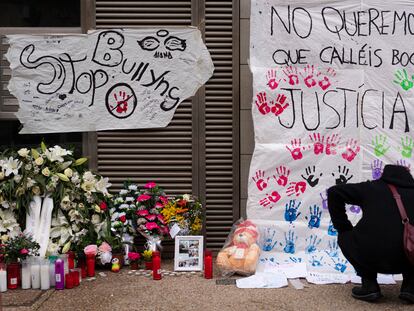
(170, 43)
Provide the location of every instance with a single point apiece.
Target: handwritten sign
(333, 87)
(109, 79)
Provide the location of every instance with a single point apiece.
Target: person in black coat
(375, 244)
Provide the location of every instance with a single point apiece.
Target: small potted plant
(147, 256)
(14, 251)
(134, 258)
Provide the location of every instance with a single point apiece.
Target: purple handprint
(376, 167)
(324, 197)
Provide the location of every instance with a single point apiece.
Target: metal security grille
(221, 180)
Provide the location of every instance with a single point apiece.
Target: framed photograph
(188, 254)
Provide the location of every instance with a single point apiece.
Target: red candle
(208, 265)
(90, 262)
(69, 280)
(156, 266)
(75, 277)
(13, 275)
(82, 266)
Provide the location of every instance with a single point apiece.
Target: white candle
(26, 275)
(52, 276)
(44, 275)
(35, 272)
(3, 280)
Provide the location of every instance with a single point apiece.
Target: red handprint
(261, 103)
(271, 79)
(260, 180)
(352, 149)
(317, 142)
(324, 82)
(292, 74)
(296, 150)
(282, 175)
(309, 76)
(296, 188)
(331, 142)
(280, 105)
(270, 199)
(121, 102)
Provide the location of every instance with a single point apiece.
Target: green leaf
(35, 153)
(80, 161)
(43, 146)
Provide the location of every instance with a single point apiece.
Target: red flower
(182, 203)
(143, 212)
(122, 218)
(159, 205)
(143, 197)
(161, 219)
(151, 226)
(133, 256)
(103, 206)
(24, 251)
(164, 200)
(151, 217)
(150, 185)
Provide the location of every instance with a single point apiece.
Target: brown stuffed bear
(241, 255)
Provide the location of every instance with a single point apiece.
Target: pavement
(190, 291)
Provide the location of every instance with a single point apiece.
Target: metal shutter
(221, 120)
(197, 152)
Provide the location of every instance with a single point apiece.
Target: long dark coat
(378, 235)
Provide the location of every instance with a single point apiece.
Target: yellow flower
(66, 248)
(4, 238)
(46, 172)
(39, 161)
(36, 190)
(147, 254)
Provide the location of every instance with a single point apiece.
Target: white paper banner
(333, 103)
(108, 79)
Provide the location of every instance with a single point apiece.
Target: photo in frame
(188, 254)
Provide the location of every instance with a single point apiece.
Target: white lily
(11, 166)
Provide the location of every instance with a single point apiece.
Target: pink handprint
(282, 175)
(260, 180)
(352, 149)
(324, 82)
(292, 74)
(296, 188)
(331, 142)
(280, 105)
(271, 79)
(269, 200)
(296, 150)
(261, 103)
(309, 76)
(317, 142)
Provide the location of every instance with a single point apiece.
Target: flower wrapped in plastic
(149, 219)
(186, 212)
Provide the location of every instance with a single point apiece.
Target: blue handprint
(314, 217)
(294, 259)
(313, 243)
(339, 264)
(290, 242)
(268, 244)
(333, 249)
(271, 259)
(331, 230)
(316, 262)
(291, 211)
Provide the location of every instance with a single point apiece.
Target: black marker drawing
(171, 43)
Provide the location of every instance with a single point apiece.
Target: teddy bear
(242, 253)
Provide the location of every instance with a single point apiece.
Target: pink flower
(143, 197)
(133, 256)
(151, 217)
(143, 212)
(165, 230)
(161, 219)
(105, 247)
(159, 205)
(150, 185)
(91, 250)
(164, 200)
(24, 251)
(151, 226)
